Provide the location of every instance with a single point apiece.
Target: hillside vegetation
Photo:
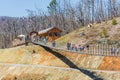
(98, 32)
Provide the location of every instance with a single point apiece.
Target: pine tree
(52, 8)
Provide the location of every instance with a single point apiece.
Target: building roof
(47, 30)
(33, 32)
(21, 36)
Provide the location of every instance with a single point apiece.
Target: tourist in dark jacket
(87, 46)
(68, 46)
(80, 48)
(53, 43)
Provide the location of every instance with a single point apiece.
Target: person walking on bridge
(44, 41)
(53, 43)
(68, 45)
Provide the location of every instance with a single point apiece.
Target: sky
(17, 8)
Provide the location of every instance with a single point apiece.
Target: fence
(105, 50)
(96, 49)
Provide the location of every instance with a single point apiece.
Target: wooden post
(102, 48)
(106, 49)
(98, 48)
(92, 50)
(116, 50)
(109, 49)
(119, 51)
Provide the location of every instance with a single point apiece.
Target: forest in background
(62, 14)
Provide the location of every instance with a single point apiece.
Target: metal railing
(96, 49)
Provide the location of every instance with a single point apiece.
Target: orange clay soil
(110, 63)
(25, 55)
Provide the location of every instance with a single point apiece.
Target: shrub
(110, 42)
(82, 33)
(104, 33)
(99, 42)
(114, 22)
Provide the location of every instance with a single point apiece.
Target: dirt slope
(35, 72)
(38, 55)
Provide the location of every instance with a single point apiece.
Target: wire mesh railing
(96, 49)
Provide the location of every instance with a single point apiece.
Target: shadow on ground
(71, 64)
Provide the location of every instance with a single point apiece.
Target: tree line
(62, 14)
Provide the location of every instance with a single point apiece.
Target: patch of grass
(104, 33)
(114, 22)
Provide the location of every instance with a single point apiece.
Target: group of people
(76, 47)
(115, 49)
(45, 40)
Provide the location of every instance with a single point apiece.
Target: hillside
(36, 72)
(36, 62)
(96, 33)
(37, 55)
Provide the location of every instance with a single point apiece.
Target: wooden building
(51, 33)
